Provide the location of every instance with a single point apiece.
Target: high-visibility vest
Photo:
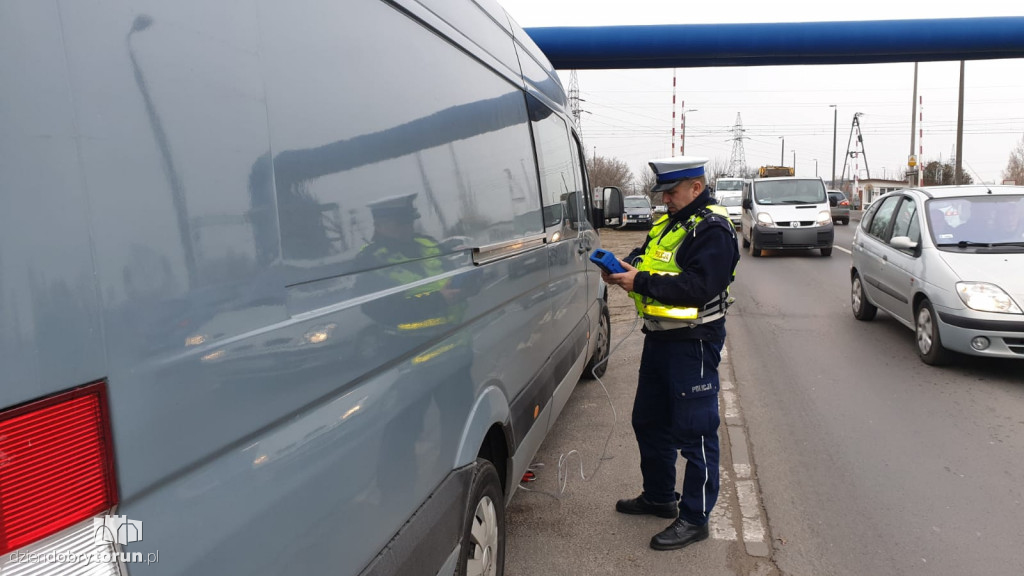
(660, 258)
(428, 266)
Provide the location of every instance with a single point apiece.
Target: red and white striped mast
(672, 145)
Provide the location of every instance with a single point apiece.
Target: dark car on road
(840, 206)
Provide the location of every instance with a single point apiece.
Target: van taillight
(56, 465)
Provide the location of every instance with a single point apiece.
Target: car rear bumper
(792, 238)
(1005, 337)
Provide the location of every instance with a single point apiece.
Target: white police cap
(401, 207)
(669, 171)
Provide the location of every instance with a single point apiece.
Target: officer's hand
(624, 279)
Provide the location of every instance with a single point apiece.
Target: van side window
(556, 168)
(582, 192)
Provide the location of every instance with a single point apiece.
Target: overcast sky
(629, 112)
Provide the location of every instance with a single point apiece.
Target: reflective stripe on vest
(660, 258)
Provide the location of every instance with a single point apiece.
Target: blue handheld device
(607, 261)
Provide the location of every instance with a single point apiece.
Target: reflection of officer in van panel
(680, 284)
(398, 256)
(422, 322)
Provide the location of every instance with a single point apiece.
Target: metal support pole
(835, 125)
(957, 179)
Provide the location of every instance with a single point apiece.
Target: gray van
(300, 287)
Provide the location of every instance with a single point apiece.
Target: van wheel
(597, 365)
(483, 536)
(746, 243)
(862, 309)
(926, 328)
(754, 251)
(826, 251)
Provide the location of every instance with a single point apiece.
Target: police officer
(679, 280)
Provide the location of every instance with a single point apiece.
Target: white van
(787, 214)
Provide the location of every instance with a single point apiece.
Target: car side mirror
(903, 243)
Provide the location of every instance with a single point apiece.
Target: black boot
(680, 534)
(641, 505)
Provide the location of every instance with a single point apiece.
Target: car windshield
(732, 200)
(637, 203)
(729, 185)
(789, 192)
(977, 220)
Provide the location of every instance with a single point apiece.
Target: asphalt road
(868, 462)
(871, 462)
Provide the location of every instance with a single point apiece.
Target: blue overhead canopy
(771, 44)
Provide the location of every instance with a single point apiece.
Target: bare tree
(1015, 166)
(716, 169)
(609, 172)
(643, 181)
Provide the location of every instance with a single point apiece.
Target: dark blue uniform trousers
(676, 409)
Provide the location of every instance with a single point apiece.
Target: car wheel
(926, 328)
(862, 309)
(483, 536)
(754, 251)
(826, 251)
(846, 221)
(597, 365)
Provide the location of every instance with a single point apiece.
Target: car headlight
(824, 218)
(986, 297)
(765, 220)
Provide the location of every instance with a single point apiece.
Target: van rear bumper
(792, 238)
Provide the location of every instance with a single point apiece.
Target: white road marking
(731, 408)
(842, 249)
(742, 470)
(750, 508)
(720, 524)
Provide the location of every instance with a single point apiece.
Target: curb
(748, 492)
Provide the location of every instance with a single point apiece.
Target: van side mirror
(612, 203)
(748, 204)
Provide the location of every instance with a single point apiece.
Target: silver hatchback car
(947, 262)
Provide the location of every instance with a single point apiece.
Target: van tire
(826, 252)
(482, 549)
(754, 251)
(746, 243)
(597, 366)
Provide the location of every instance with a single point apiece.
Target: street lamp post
(782, 154)
(815, 167)
(682, 143)
(835, 120)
